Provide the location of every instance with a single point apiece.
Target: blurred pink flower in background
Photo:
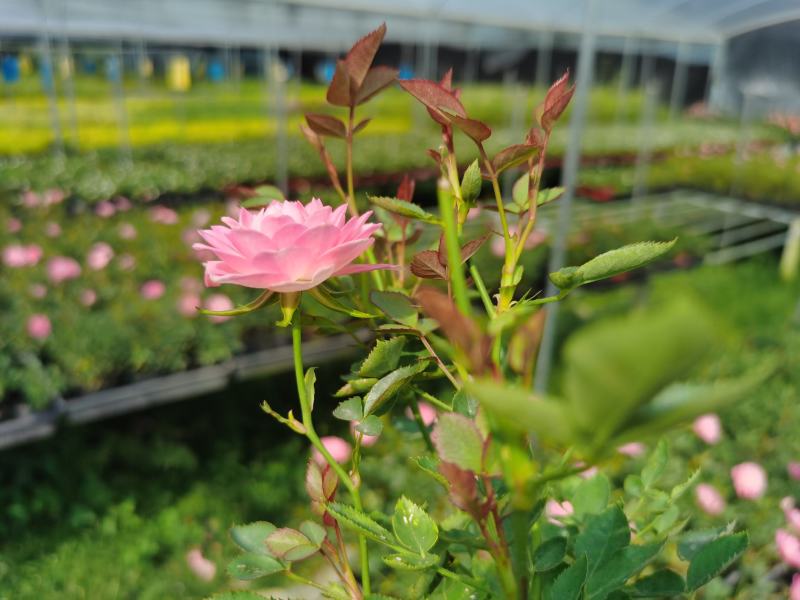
(287, 247)
(127, 231)
(100, 254)
(30, 199)
(39, 326)
(52, 229)
(152, 289)
(749, 480)
(200, 565)
(62, 268)
(793, 469)
(794, 591)
(163, 215)
(218, 302)
(708, 428)
(191, 236)
(426, 411)
(791, 513)
(555, 510)
(201, 217)
(366, 440)
(191, 284)
(13, 225)
(588, 473)
(188, 304)
(88, 297)
(53, 196)
(709, 499)
(340, 450)
(105, 209)
(123, 204)
(536, 238)
(473, 213)
(19, 255)
(38, 290)
(126, 262)
(788, 548)
(632, 449)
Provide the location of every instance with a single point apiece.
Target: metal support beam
(680, 76)
(626, 74)
(544, 59)
(585, 71)
(715, 89)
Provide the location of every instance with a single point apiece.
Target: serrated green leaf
(634, 486)
(404, 209)
(591, 496)
(412, 526)
(661, 584)
(623, 565)
(237, 595)
(680, 489)
(516, 409)
(550, 554)
(430, 465)
(465, 404)
(359, 522)
(713, 558)
(570, 582)
(656, 463)
(691, 542)
(667, 519)
(458, 441)
(384, 357)
(411, 562)
(313, 531)
(388, 385)
(396, 306)
(471, 182)
(604, 535)
(253, 566)
(370, 425)
(355, 386)
(290, 544)
(349, 410)
(252, 537)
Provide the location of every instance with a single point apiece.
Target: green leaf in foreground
(252, 537)
(413, 527)
(404, 209)
(253, 566)
(359, 522)
(713, 558)
(661, 584)
(458, 441)
(569, 584)
(411, 562)
(384, 357)
(396, 306)
(389, 385)
(550, 554)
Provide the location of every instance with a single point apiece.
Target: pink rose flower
(152, 289)
(200, 565)
(218, 302)
(88, 297)
(127, 231)
(38, 291)
(788, 548)
(13, 225)
(126, 262)
(366, 440)
(18, 255)
(188, 303)
(426, 411)
(287, 247)
(62, 268)
(105, 209)
(100, 255)
(53, 196)
(794, 591)
(708, 428)
(793, 469)
(191, 237)
(589, 473)
(163, 215)
(201, 217)
(749, 480)
(555, 511)
(339, 449)
(52, 229)
(709, 499)
(123, 204)
(30, 199)
(498, 246)
(791, 513)
(632, 449)
(39, 327)
(190, 284)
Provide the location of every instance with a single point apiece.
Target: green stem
(423, 429)
(485, 298)
(454, 267)
(473, 583)
(509, 265)
(311, 434)
(433, 400)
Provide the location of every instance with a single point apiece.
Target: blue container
(216, 70)
(10, 68)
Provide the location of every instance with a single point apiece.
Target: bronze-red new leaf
(434, 96)
(377, 80)
(405, 191)
(426, 265)
(477, 130)
(326, 125)
(359, 58)
(339, 93)
(513, 156)
(555, 102)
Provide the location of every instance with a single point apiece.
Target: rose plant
(532, 515)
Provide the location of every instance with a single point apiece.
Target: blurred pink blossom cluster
(20, 255)
(31, 199)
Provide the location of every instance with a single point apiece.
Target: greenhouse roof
(332, 24)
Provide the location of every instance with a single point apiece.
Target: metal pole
(516, 123)
(626, 73)
(644, 156)
(679, 79)
(572, 158)
(48, 81)
(544, 59)
(117, 75)
(275, 84)
(716, 78)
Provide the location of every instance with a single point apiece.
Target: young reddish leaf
(463, 488)
(361, 124)
(475, 129)
(471, 247)
(377, 79)
(326, 125)
(311, 136)
(447, 79)
(426, 265)
(555, 102)
(436, 156)
(360, 57)
(434, 96)
(535, 137)
(513, 156)
(405, 191)
(339, 88)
